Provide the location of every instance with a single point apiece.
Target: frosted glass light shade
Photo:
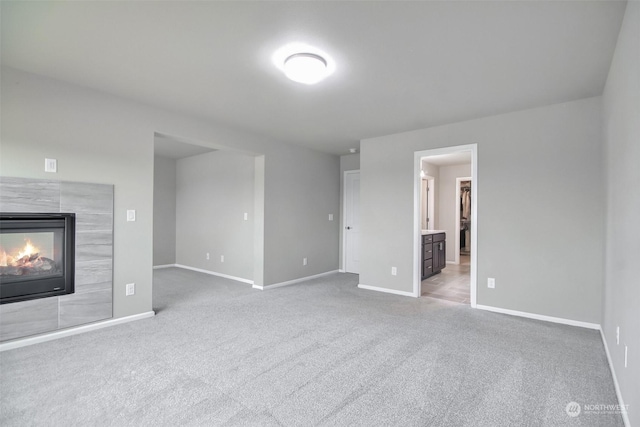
(307, 68)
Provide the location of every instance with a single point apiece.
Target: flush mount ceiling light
(303, 64)
(307, 68)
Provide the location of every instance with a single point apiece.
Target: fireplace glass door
(25, 255)
(36, 256)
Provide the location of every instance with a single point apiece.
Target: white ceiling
(399, 65)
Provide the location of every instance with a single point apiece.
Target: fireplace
(37, 255)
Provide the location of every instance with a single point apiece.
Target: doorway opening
(453, 207)
(463, 217)
(208, 209)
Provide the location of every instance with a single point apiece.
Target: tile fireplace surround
(93, 297)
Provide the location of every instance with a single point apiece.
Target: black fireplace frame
(22, 290)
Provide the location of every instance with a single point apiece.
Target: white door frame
(344, 216)
(417, 232)
(457, 234)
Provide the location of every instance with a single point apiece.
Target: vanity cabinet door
(433, 254)
(441, 249)
(439, 252)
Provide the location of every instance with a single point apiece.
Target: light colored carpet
(318, 353)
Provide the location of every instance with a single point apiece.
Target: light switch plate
(50, 165)
(131, 215)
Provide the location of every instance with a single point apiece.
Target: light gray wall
(447, 203)
(94, 140)
(301, 191)
(214, 190)
(621, 102)
(107, 139)
(540, 207)
(348, 162)
(164, 211)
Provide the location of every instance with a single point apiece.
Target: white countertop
(427, 232)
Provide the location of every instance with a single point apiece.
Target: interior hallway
(452, 284)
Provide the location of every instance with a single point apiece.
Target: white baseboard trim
(294, 281)
(625, 415)
(213, 273)
(158, 267)
(385, 290)
(341, 271)
(37, 339)
(539, 317)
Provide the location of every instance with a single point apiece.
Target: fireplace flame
(28, 250)
(24, 257)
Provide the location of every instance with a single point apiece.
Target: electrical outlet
(246, 216)
(330, 217)
(131, 289)
(618, 335)
(394, 271)
(304, 261)
(207, 256)
(221, 258)
(491, 283)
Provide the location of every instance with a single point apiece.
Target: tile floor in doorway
(452, 284)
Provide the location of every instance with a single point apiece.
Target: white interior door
(352, 222)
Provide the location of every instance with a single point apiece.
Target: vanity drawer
(427, 267)
(427, 251)
(427, 239)
(438, 237)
